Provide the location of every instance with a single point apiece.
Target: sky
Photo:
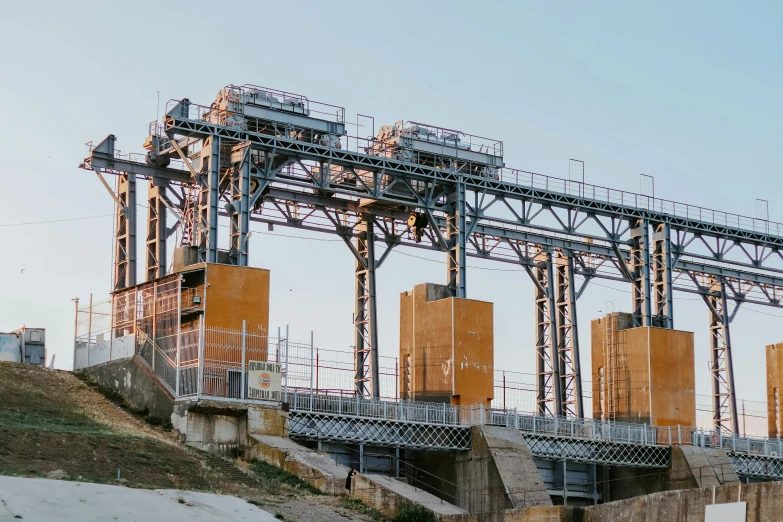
(689, 93)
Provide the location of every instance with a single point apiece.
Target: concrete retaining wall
(764, 504)
(132, 379)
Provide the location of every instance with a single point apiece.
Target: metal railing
(767, 447)
(639, 201)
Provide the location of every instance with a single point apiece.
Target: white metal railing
(213, 363)
(402, 410)
(447, 415)
(768, 447)
(585, 429)
(639, 201)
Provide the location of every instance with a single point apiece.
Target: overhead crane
(280, 158)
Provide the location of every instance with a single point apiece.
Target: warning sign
(263, 381)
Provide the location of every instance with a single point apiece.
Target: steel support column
(549, 395)
(209, 182)
(567, 336)
(640, 270)
(240, 213)
(456, 239)
(724, 401)
(366, 380)
(156, 231)
(663, 315)
(125, 238)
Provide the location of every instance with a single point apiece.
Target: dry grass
(51, 420)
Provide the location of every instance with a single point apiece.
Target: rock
(57, 474)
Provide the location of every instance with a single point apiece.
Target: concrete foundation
(446, 347)
(643, 375)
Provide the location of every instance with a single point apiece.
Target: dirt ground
(50, 421)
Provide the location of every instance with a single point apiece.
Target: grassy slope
(51, 420)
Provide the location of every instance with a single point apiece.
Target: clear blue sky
(687, 92)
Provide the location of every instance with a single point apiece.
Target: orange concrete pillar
(446, 347)
(774, 389)
(644, 375)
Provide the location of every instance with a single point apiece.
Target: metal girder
(157, 231)
(548, 385)
(663, 314)
(724, 401)
(239, 210)
(207, 230)
(486, 226)
(366, 379)
(758, 466)
(585, 252)
(380, 432)
(103, 158)
(599, 452)
(567, 336)
(640, 272)
(177, 122)
(456, 240)
(125, 235)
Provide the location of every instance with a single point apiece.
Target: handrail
(545, 426)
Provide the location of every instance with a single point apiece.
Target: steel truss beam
(567, 336)
(549, 396)
(125, 235)
(757, 466)
(156, 231)
(640, 272)
(366, 380)
(380, 432)
(239, 209)
(598, 451)
(484, 227)
(724, 406)
(663, 314)
(178, 122)
(456, 239)
(208, 182)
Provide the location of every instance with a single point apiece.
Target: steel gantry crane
(279, 158)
